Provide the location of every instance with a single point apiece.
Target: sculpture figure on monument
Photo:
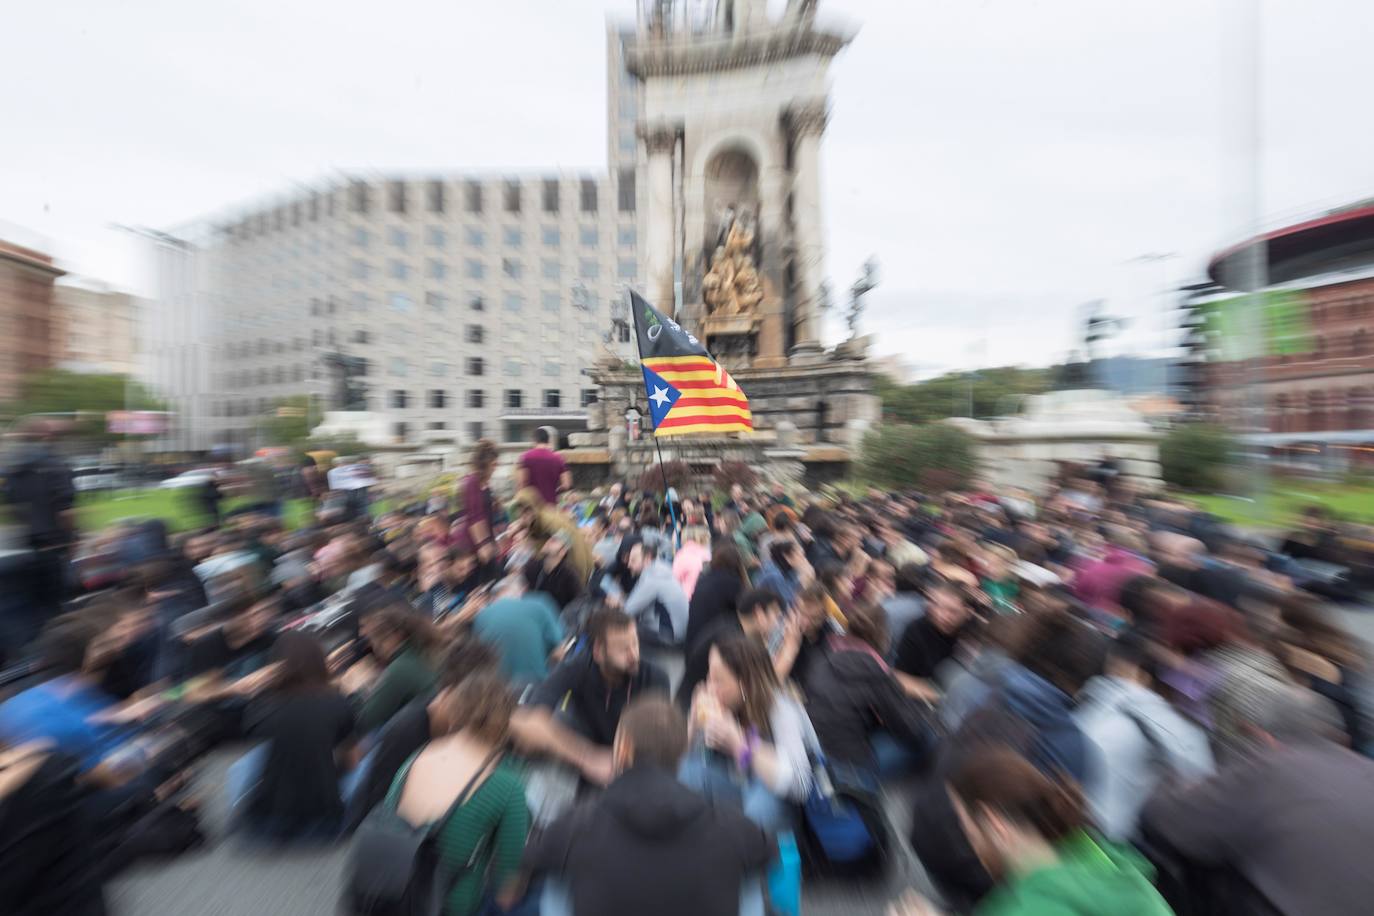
(732, 286)
(349, 390)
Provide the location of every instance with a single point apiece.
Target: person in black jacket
(552, 573)
(649, 844)
(717, 591)
(760, 611)
(853, 695)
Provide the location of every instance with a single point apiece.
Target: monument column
(660, 141)
(808, 124)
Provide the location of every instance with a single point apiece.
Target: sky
(1006, 161)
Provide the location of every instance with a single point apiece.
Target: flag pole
(658, 446)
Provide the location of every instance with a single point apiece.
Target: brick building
(26, 306)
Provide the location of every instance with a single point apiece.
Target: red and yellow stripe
(710, 401)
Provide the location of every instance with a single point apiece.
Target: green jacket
(1091, 878)
(406, 678)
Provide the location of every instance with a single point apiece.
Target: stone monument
(734, 107)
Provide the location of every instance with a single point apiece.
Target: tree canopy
(996, 392)
(63, 391)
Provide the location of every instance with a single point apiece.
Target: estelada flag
(688, 391)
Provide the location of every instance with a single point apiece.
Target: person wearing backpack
(449, 835)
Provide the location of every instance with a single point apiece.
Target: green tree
(995, 392)
(61, 391)
(288, 422)
(1195, 456)
(935, 456)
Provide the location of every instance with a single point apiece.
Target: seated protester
(237, 647)
(760, 613)
(288, 787)
(649, 844)
(716, 592)
(975, 670)
(574, 713)
(1136, 740)
(656, 601)
(787, 571)
(432, 595)
(522, 626)
(927, 642)
(1098, 582)
(1322, 656)
(1033, 833)
(1030, 712)
(748, 737)
(878, 583)
(409, 730)
(405, 643)
(133, 655)
(854, 695)
(50, 857)
(66, 709)
(480, 843)
(691, 559)
(998, 581)
(1292, 818)
(804, 636)
(551, 572)
(906, 604)
(604, 535)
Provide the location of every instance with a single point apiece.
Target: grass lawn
(177, 507)
(1286, 499)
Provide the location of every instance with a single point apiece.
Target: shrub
(935, 456)
(1195, 456)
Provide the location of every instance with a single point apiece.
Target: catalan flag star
(660, 397)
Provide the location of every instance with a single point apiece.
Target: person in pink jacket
(691, 558)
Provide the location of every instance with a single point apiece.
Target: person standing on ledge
(543, 468)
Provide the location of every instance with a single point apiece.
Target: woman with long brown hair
(749, 736)
(407, 645)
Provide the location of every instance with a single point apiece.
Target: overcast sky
(1005, 160)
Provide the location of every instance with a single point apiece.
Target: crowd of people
(1094, 700)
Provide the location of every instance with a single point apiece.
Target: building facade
(94, 329)
(26, 309)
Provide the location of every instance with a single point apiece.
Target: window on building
(550, 195)
(396, 196)
(436, 237)
(358, 196)
(476, 238)
(400, 302)
(588, 236)
(361, 336)
(625, 191)
(399, 270)
(477, 304)
(474, 430)
(475, 333)
(438, 368)
(472, 197)
(361, 302)
(436, 301)
(477, 398)
(588, 269)
(437, 398)
(515, 302)
(625, 236)
(549, 235)
(588, 195)
(359, 270)
(437, 269)
(588, 396)
(398, 238)
(552, 301)
(476, 269)
(434, 197)
(550, 269)
(512, 268)
(624, 332)
(628, 145)
(399, 367)
(512, 237)
(436, 424)
(553, 398)
(510, 197)
(515, 399)
(361, 237)
(514, 367)
(399, 399)
(476, 366)
(626, 269)
(400, 431)
(552, 368)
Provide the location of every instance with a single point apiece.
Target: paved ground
(227, 879)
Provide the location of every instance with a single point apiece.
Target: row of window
(511, 268)
(476, 399)
(433, 196)
(511, 237)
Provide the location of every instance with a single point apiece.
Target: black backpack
(394, 867)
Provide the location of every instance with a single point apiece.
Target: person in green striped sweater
(484, 838)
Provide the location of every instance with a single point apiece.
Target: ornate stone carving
(659, 138)
(809, 119)
(732, 286)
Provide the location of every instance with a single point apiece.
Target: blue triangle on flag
(661, 394)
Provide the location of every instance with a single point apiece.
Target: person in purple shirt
(475, 534)
(544, 469)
